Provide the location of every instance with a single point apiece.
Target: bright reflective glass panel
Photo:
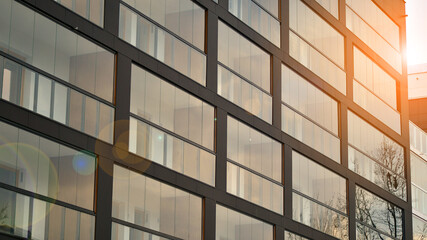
(376, 29)
(316, 31)
(56, 50)
(330, 5)
(254, 150)
(55, 100)
(146, 202)
(319, 183)
(92, 10)
(254, 188)
(245, 95)
(167, 106)
(182, 17)
(172, 152)
(139, 31)
(256, 17)
(39, 165)
(243, 57)
(232, 225)
(29, 217)
(314, 60)
(121, 232)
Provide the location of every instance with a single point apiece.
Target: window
(55, 100)
(368, 22)
(419, 226)
(255, 14)
(169, 107)
(254, 170)
(154, 205)
(419, 184)
(232, 225)
(319, 198)
(316, 45)
(377, 218)
(183, 17)
(42, 166)
(29, 217)
(151, 37)
(375, 156)
(242, 93)
(331, 6)
(254, 150)
(244, 73)
(291, 236)
(121, 232)
(309, 115)
(92, 10)
(39, 41)
(172, 152)
(254, 188)
(375, 91)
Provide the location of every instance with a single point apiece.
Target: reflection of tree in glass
(391, 156)
(420, 229)
(379, 214)
(3, 215)
(322, 218)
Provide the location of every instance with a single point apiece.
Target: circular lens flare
(84, 164)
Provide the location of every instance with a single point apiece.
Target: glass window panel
(249, 141)
(75, 110)
(165, 208)
(104, 72)
(44, 96)
(65, 52)
(236, 48)
(91, 115)
(21, 32)
(158, 43)
(378, 214)
(234, 225)
(44, 44)
(60, 103)
(153, 144)
(5, 12)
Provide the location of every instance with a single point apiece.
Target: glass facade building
(208, 119)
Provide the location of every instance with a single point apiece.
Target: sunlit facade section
(369, 23)
(316, 45)
(375, 90)
(331, 6)
(309, 115)
(244, 73)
